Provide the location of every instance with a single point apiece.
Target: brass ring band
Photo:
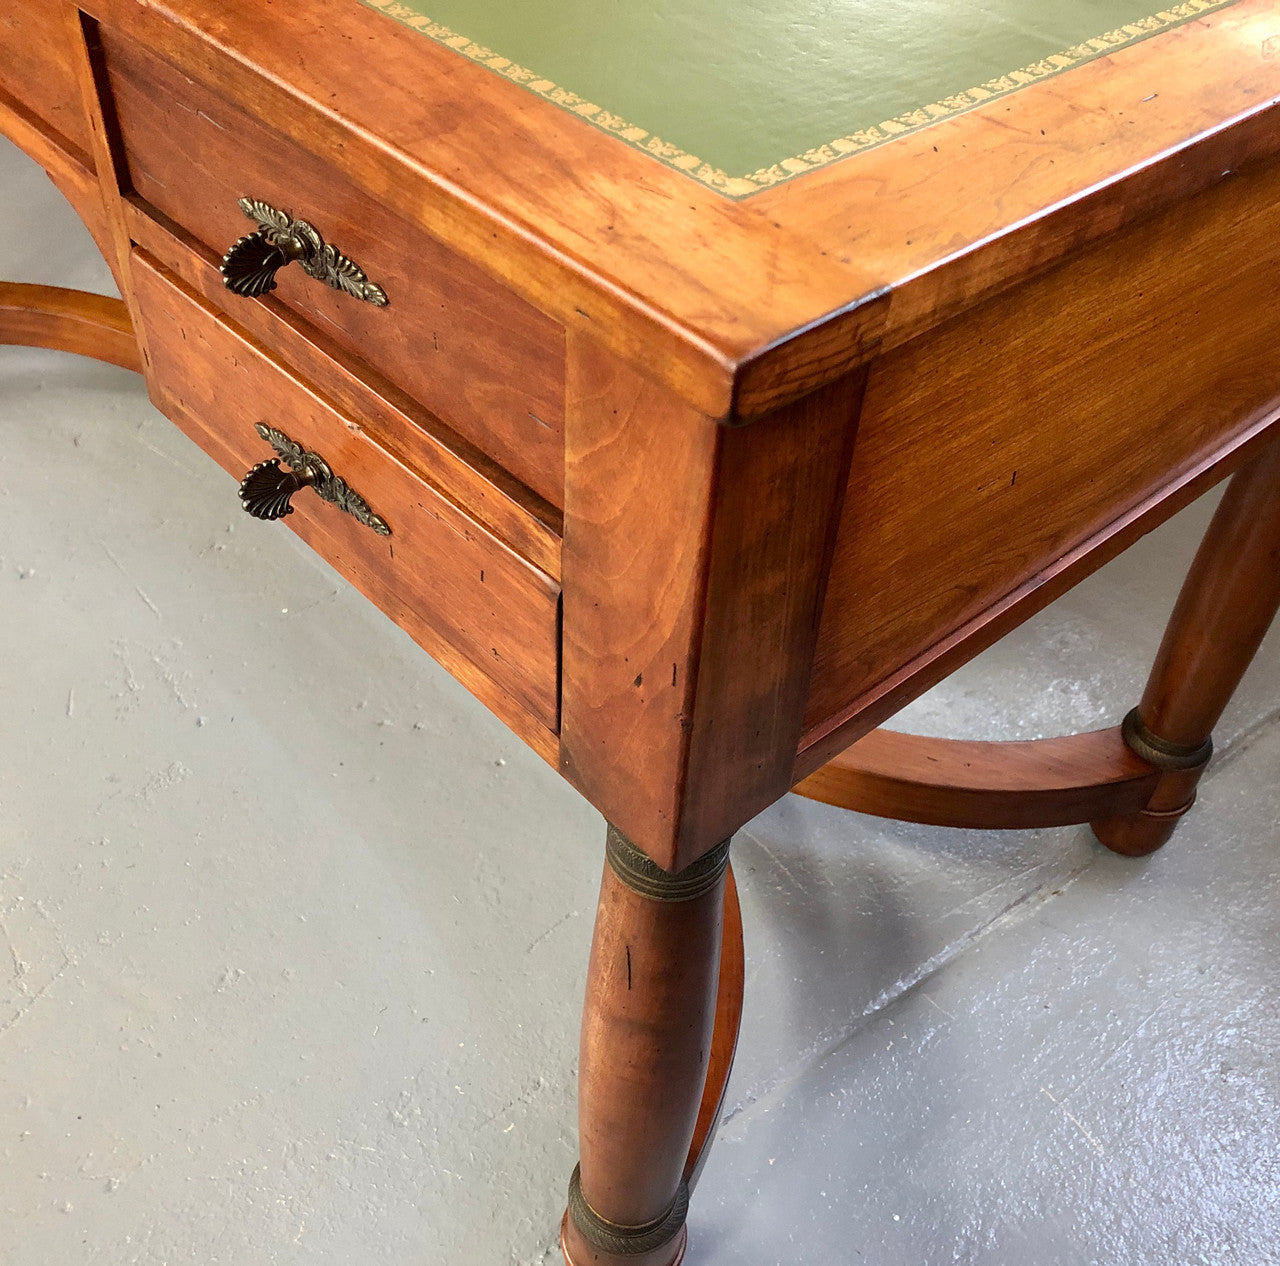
(643, 875)
(625, 1241)
(1160, 752)
(1167, 815)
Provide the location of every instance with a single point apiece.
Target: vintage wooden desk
(699, 383)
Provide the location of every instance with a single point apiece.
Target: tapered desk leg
(646, 1041)
(1227, 604)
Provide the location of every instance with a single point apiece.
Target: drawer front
(466, 476)
(451, 336)
(487, 615)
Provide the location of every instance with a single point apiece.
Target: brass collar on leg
(1160, 752)
(625, 1241)
(643, 875)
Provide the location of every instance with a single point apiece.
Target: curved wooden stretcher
(68, 321)
(982, 785)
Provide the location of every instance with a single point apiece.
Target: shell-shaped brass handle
(266, 491)
(249, 268)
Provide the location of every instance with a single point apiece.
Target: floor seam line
(813, 1058)
(1241, 743)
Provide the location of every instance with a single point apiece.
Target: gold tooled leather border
(743, 186)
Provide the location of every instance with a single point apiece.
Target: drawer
(450, 335)
(465, 475)
(486, 614)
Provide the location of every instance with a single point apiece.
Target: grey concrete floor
(293, 933)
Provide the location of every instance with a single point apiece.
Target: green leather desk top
(744, 94)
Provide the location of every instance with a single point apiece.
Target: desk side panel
(996, 446)
(38, 67)
(694, 562)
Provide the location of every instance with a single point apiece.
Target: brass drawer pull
(266, 490)
(249, 268)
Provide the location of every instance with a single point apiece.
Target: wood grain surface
(695, 558)
(647, 1033)
(995, 446)
(1227, 604)
(952, 650)
(737, 306)
(468, 477)
(730, 995)
(37, 40)
(486, 614)
(985, 786)
(466, 347)
(984, 200)
(64, 164)
(69, 321)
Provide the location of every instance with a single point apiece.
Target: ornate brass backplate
(249, 268)
(266, 490)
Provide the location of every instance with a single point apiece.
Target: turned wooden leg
(1227, 604)
(647, 1030)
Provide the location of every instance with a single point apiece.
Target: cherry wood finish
(1053, 579)
(1228, 602)
(481, 610)
(37, 68)
(1065, 162)
(738, 306)
(70, 321)
(694, 568)
(69, 169)
(647, 1033)
(995, 445)
(724, 1038)
(724, 1041)
(84, 55)
(530, 525)
(957, 406)
(676, 280)
(451, 336)
(950, 782)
